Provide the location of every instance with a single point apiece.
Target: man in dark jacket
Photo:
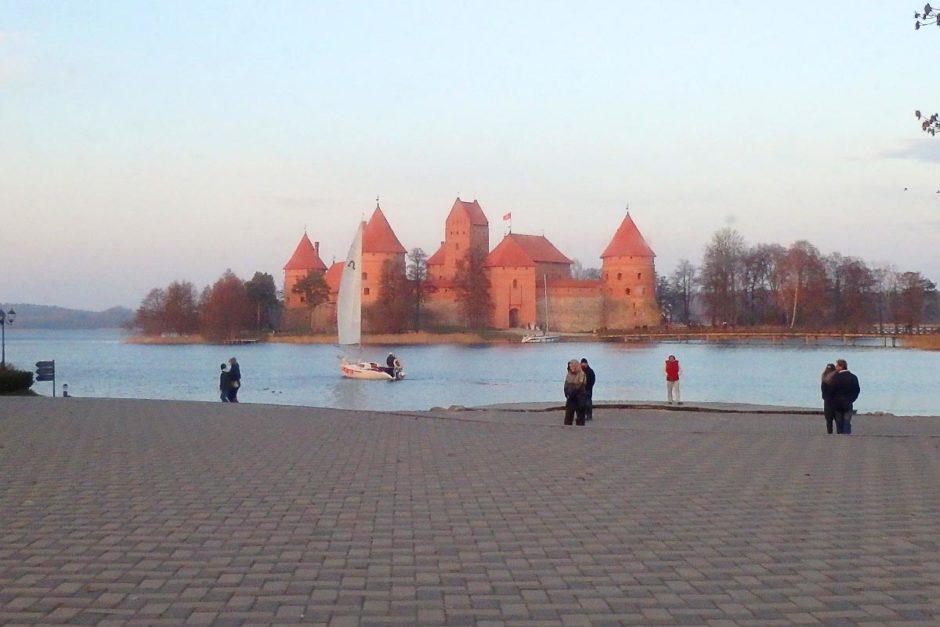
(588, 388)
(845, 391)
(235, 378)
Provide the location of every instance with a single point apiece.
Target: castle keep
(525, 273)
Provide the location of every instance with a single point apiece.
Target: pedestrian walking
(845, 391)
(225, 384)
(589, 379)
(825, 387)
(235, 377)
(575, 382)
(672, 370)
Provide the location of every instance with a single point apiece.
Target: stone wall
(574, 309)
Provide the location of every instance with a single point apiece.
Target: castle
(530, 279)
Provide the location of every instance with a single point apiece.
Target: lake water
(99, 364)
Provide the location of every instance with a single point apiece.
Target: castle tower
(466, 228)
(518, 268)
(629, 279)
(306, 257)
(379, 244)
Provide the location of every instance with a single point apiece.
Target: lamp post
(6, 317)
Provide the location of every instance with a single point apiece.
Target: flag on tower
(507, 216)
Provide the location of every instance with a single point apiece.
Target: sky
(148, 142)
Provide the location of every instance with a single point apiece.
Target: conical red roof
(627, 242)
(472, 210)
(524, 250)
(305, 257)
(378, 236)
(334, 275)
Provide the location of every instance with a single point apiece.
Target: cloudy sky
(146, 142)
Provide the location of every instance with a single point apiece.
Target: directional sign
(45, 370)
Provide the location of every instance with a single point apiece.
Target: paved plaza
(173, 513)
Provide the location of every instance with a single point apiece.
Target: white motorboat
(349, 320)
(542, 337)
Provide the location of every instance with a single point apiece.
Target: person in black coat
(588, 388)
(235, 378)
(825, 386)
(225, 384)
(845, 391)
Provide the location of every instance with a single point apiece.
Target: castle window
(365, 291)
(457, 246)
(301, 299)
(607, 276)
(515, 283)
(639, 275)
(619, 275)
(365, 276)
(627, 291)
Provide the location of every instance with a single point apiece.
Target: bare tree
(416, 272)
(929, 17)
(472, 286)
(720, 275)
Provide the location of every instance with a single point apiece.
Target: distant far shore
(389, 339)
(922, 342)
(466, 338)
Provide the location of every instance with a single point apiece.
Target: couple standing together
(229, 382)
(839, 390)
(579, 391)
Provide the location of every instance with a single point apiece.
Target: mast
(545, 287)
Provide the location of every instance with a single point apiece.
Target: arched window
(619, 275)
(515, 283)
(627, 291)
(365, 291)
(639, 275)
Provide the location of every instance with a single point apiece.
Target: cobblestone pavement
(154, 512)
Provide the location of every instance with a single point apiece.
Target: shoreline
(471, 338)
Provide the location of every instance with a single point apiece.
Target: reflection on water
(97, 364)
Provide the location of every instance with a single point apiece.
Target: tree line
(231, 307)
(795, 287)
(224, 310)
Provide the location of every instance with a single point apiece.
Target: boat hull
(367, 371)
(540, 339)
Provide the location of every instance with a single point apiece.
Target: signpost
(45, 371)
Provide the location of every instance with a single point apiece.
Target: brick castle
(522, 270)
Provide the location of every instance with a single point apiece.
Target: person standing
(825, 387)
(672, 379)
(575, 382)
(225, 384)
(845, 391)
(589, 379)
(235, 378)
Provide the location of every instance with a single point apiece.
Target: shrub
(15, 380)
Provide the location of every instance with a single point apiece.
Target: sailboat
(349, 319)
(542, 337)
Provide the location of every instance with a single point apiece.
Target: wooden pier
(767, 337)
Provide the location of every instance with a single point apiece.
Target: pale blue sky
(145, 142)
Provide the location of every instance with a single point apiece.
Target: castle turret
(466, 228)
(379, 244)
(306, 257)
(629, 279)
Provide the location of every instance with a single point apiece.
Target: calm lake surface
(99, 364)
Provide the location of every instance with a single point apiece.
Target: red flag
(507, 216)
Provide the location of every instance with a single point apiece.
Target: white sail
(349, 302)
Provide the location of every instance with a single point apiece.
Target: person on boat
(575, 382)
(825, 387)
(590, 378)
(235, 378)
(393, 365)
(225, 384)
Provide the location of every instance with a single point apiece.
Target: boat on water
(349, 321)
(542, 337)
